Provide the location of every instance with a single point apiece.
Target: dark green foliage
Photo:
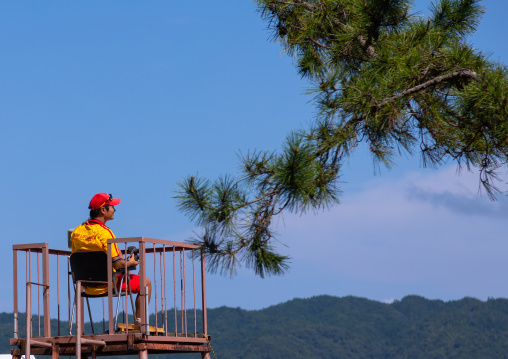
(353, 328)
(382, 75)
(350, 328)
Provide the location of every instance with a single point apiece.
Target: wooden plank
(134, 327)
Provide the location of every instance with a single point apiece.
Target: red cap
(102, 199)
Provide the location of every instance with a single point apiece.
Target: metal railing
(177, 273)
(165, 278)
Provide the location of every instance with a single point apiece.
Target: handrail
(159, 253)
(162, 249)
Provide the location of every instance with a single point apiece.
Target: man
(93, 235)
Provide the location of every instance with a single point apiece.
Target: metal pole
(155, 283)
(29, 265)
(110, 291)
(38, 296)
(163, 295)
(103, 316)
(58, 290)
(174, 289)
(143, 354)
(203, 293)
(28, 328)
(127, 288)
(181, 289)
(165, 292)
(15, 289)
(69, 296)
(142, 282)
(194, 292)
(146, 314)
(184, 290)
(79, 317)
(45, 290)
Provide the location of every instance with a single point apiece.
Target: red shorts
(134, 282)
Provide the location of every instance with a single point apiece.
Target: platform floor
(116, 344)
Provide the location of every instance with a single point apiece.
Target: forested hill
(350, 327)
(330, 327)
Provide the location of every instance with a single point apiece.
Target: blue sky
(129, 97)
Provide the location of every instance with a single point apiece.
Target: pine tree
(381, 75)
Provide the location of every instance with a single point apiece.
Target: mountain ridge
(352, 327)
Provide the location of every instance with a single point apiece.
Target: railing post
(147, 315)
(28, 335)
(110, 291)
(15, 290)
(203, 293)
(142, 287)
(45, 290)
(79, 319)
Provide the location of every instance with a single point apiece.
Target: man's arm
(119, 262)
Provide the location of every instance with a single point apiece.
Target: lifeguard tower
(174, 322)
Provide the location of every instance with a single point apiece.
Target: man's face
(109, 214)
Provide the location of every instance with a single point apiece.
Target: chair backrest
(89, 266)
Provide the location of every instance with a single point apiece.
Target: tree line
(351, 328)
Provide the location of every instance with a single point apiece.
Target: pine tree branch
(368, 48)
(315, 42)
(454, 75)
(256, 200)
(393, 81)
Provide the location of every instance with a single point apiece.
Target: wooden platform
(135, 328)
(128, 340)
(116, 344)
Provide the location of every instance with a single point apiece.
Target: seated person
(92, 236)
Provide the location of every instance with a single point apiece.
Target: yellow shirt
(92, 236)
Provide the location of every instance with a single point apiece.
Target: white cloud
(430, 231)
